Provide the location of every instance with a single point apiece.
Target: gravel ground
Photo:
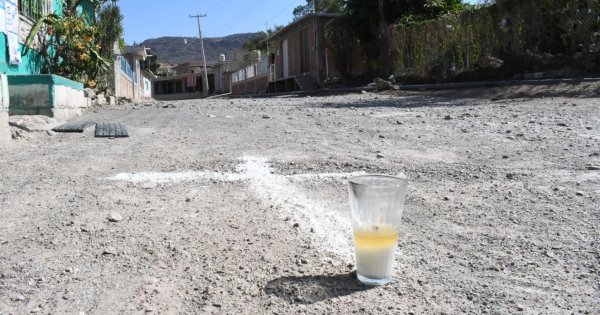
(240, 206)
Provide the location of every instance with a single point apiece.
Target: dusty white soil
(240, 206)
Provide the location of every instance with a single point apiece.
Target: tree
(370, 20)
(71, 44)
(339, 37)
(365, 14)
(260, 41)
(325, 6)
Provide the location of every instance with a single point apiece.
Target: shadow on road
(312, 289)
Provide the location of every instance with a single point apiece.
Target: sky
(146, 19)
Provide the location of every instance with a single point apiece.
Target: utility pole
(205, 74)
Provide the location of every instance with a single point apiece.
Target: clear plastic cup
(376, 202)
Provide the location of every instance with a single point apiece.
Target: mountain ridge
(178, 49)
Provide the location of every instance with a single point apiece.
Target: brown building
(302, 59)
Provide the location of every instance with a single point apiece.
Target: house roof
(137, 51)
(300, 20)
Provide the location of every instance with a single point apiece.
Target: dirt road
(236, 206)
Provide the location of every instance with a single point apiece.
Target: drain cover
(111, 130)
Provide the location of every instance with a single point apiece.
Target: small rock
(593, 167)
(588, 128)
(109, 251)
(382, 84)
(296, 225)
(265, 116)
(505, 156)
(303, 261)
(363, 92)
(114, 217)
(579, 193)
(510, 175)
(211, 116)
(381, 137)
(217, 304)
(188, 199)
(446, 198)
(399, 122)
(19, 298)
(561, 124)
(380, 156)
(35, 310)
(448, 117)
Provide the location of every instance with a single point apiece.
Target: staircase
(306, 82)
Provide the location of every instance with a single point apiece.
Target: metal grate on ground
(73, 126)
(111, 130)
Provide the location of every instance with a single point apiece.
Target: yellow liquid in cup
(375, 250)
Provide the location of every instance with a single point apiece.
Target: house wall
(126, 88)
(129, 84)
(172, 88)
(255, 85)
(316, 61)
(147, 88)
(4, 101)
(320, 67)
(46, 94)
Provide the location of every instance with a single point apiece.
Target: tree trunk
(383, 43)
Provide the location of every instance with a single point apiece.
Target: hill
(182, 49)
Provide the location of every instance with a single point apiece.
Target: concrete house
(187, 85)
(29, 91)
(222, 71)
(302, 60)
(130, 81)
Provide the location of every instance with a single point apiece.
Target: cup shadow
(312, 289)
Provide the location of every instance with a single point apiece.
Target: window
(33, 9)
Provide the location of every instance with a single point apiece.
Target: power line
(259, 27)
(244, 14)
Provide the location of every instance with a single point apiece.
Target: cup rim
(354, 180)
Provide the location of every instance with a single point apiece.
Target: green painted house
(24, 90)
